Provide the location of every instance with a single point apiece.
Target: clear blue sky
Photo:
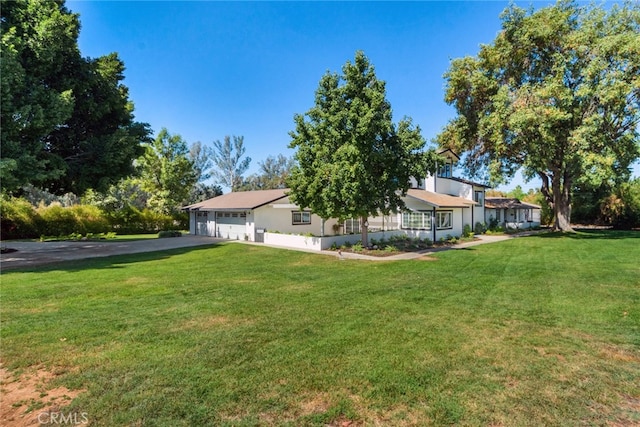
(209, 69)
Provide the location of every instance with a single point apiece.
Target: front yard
(540, 330)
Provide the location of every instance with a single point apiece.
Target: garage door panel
(231, 225)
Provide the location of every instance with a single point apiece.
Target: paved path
(39, 253)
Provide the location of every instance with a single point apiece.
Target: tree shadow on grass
(104, 262)
(589, 233)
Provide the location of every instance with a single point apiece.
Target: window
(528, 215)
(416, 220)
(445, 171)
(444, 220)
(352, 226)
(479, 197)
(203, 215)
(300, 217)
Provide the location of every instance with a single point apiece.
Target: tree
(67, 122)
(200, 155)
(167, 173)
(228, 162)
(557, 93)
(352, 160)
(273, 174)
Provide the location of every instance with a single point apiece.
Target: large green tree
(557, 93)
(353, 161)
(167, 173)
(67, 122)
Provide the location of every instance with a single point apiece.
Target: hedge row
(21, 220)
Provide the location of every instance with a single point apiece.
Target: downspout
(433, 223)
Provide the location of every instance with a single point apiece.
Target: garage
(231, 225)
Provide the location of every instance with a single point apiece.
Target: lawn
(540, 330)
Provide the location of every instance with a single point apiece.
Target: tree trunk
(363, 227)
(558, 195)
(561, 204)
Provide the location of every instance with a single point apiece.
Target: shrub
(466, 232)
(58, 221)
(18, 219)
(357, 247)
(90, 219)
(390, 248)
(170, 233)
(479, 228)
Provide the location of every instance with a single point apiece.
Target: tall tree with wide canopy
(67, 123)
(353, 162)
(557, 93)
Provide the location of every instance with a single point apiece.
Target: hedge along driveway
(30, 254)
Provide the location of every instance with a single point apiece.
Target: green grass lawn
(541, 330)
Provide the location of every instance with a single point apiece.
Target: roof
(507, 203)
(240, 200)
(440, 200)
(448, 152)
(466, 181)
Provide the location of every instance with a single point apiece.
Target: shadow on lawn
(111, 261)
(589, 233)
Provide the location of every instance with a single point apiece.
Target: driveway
(29, 254)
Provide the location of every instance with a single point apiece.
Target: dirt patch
(427, 258)
(619, 354)
(28, 400)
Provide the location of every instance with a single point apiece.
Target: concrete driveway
(29, 254)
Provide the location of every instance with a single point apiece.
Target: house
(246, 215)
(437, 207)
(511, 213)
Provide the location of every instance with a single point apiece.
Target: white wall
(279, 219)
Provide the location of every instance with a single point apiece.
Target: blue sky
(208, 69)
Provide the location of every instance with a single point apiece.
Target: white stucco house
(511, 213)
(437, 207)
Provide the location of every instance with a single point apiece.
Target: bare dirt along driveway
(26, 254)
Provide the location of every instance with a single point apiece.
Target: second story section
(444, 181)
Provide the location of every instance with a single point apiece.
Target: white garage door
(231, 225)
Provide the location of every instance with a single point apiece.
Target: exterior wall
(460, 216)
(323, 243)
(430, 183)
(457, 223)
(279, 219)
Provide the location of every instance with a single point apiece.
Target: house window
(300, 217)
(478, 197)
(352, 226)
(416, 220)
(528, 215)
(444, 220)
(445, 171)
(202, 214)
